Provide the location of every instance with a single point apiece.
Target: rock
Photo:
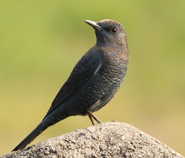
(109, 139)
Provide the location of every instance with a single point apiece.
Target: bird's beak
(93, 24)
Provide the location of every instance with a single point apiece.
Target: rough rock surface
(110, 139)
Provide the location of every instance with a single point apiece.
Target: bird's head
(109, 32)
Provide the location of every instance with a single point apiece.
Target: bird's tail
(39, 129)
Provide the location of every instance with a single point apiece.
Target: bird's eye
(113, 30)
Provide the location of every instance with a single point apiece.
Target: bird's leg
(91, 116)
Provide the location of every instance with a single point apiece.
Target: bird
(94, 80)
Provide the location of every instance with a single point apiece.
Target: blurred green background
(41, 41)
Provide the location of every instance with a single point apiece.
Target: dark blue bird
(94, 80)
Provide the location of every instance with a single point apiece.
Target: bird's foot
(91, 117)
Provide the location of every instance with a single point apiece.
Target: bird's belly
(95, 93)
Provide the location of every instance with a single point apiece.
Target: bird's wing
(82, 72)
